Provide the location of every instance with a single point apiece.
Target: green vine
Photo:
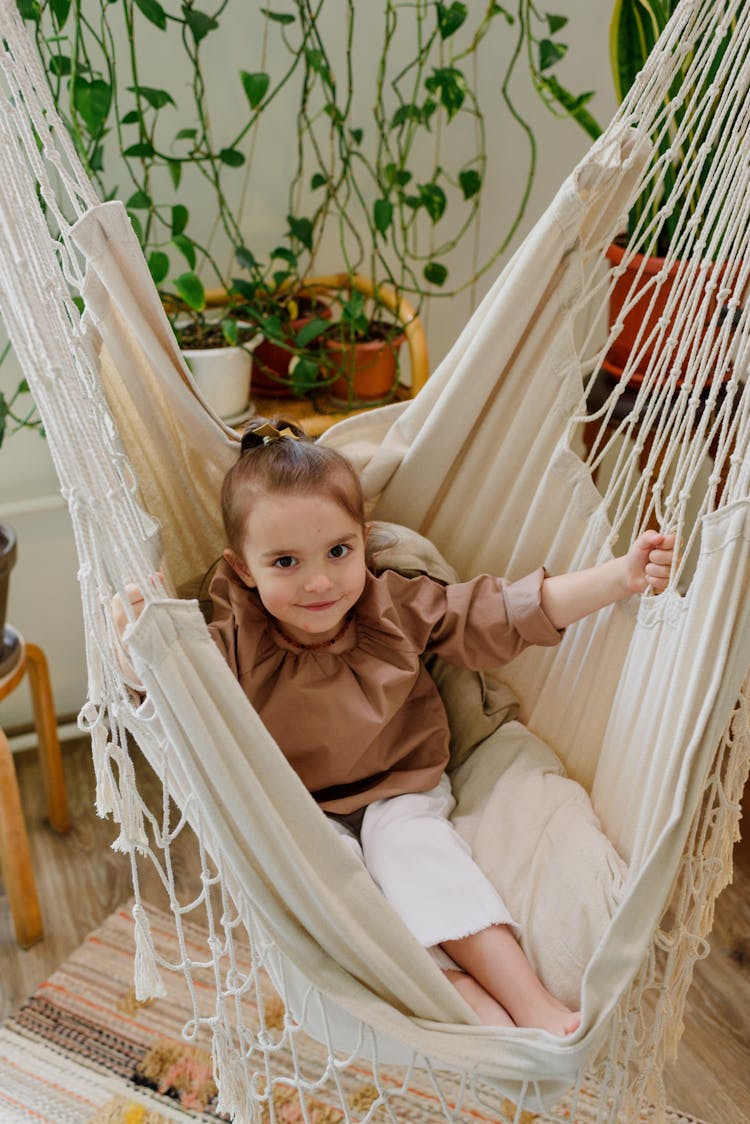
(17, 409)
(397, 216)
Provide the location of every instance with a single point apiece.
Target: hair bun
(260, 431)
(250, 440)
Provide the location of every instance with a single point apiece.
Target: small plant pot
(222, 375)
(271, 361)
(10, 643)
(368, 370)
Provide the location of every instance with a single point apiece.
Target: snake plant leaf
(634, 28)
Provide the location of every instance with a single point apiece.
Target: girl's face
(306, 557)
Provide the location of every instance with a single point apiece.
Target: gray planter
(10, 644)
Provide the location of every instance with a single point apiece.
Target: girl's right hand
(137, 603)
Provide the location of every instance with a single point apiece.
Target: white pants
(425, 869)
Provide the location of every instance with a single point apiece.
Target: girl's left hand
(649, 562)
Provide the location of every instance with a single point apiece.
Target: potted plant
(10, 647)
(390, 186)
(635, 27)
(216, 341)
(288, 313)
(359, 348)
(362, 358)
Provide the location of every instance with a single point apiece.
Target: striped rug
(83, 1051)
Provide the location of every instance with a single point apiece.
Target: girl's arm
(568, 597)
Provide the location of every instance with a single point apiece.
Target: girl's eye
(340, 550)
(285, 562)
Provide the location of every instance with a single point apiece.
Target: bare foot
(549, 1014)
(488, 1010)
(535, 1007)
(494, 959)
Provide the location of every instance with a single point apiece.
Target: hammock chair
(644, 703)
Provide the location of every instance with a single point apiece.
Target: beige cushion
(477, 702)
(534, 833)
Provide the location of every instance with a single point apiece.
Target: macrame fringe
(92, 723)
(631, 1065)
(132, 835)
(148, 981)
(235, 1095)
(105, 795)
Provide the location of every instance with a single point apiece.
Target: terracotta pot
(271, 361)
(10, 644)
(642, 310)
(369, 370)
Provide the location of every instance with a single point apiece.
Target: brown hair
(286, 465)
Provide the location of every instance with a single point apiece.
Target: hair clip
(266, 434)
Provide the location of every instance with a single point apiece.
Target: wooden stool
(15, 856)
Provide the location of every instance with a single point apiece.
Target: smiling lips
(319, 607)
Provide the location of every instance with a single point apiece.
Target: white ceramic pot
(222, 374)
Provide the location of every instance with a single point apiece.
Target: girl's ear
(239, 567)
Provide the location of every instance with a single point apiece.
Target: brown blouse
(362, 719)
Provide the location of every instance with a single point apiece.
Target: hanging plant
(398, 212)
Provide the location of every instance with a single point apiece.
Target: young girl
(331, 658)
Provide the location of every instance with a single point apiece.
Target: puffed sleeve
(478, 624)
(223, 626)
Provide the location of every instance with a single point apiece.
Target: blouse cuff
(523, 603)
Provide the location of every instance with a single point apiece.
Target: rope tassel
(235, 1096)
(148, 981)
(132, 831)
(91, 722)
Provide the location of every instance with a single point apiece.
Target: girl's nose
(318, 583)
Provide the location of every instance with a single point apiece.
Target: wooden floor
(81, 881)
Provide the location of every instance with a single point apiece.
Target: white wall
(44, 602)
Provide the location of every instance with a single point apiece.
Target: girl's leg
(494, 958)
(481, 1002)
(488, 1010)
(426, 871)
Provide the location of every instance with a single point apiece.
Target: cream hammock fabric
(643, 703)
